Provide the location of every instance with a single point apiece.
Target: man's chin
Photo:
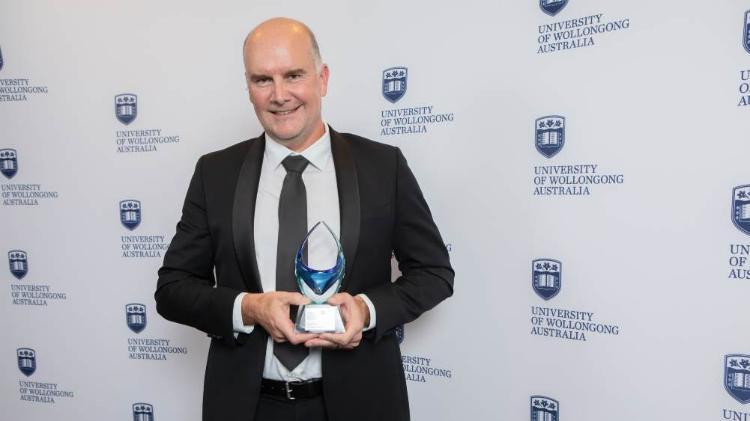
(282, 132)
(287, 139)
(284, 137)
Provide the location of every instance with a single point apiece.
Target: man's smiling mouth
(285, 112)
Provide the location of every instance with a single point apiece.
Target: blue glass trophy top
(319, 284)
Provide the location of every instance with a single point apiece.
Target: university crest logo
(8, 162)
(26, 361)
(1, 59)
(737, 377)
(741, 208)
(549, 135)
(143, 412)
(130, 213)
(394, 83)
(126, 108)
(399, 330)
(546, 277)
(135, 316)
(745, 34)
(544, 409)
(19, 263)
(552, 7)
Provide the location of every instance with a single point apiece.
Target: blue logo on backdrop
(552, 7)
(394, 83)
(1, 59)
(135, 315)
(737, 376)
(546, 277)
(399, 330)
(549, 135)
(544, 409)
(126, 107)
(746, 32)
(8, 162)
(26, 360)
(19, 263)
(143, 412)
(130, 213)
(741, 208)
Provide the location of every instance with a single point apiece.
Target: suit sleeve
(426, 274)
(186, 291)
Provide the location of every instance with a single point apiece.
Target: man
(228, 269)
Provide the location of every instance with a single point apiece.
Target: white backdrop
(653, 96)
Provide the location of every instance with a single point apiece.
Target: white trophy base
(319, 318)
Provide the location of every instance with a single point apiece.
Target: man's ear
(324, 73)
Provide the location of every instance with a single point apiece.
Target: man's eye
(294, 76)
(263, 81)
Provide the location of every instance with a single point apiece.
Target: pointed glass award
(319, 284)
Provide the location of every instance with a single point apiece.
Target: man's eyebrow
(295, 72)
(259, 76)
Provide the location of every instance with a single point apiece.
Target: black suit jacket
(382, 212)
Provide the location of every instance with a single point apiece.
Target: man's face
(285, 86)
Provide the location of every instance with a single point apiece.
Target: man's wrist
(372, 318)
(238, 324)
(247, 309)
(364, 308)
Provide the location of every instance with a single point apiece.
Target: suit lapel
(348, 189)
(243, 214)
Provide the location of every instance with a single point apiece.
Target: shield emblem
(19, 264)
(8, 162)
(143, 412)
(549, 135)
(737, 376)
(745, 34)
(1, 58)
(552, 7)
(546, 277)
(394, 83)
(135, 317)
(130, 213)
(399, 333)
(126, 107)
(544, 409)
(26, 360)
(741, 208)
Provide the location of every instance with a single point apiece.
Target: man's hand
(356, 316)
(271, 310)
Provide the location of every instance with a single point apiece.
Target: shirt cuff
(237, 325)
(372, 312)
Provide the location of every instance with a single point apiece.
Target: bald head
(282, 28)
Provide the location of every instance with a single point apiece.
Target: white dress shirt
(322, 205)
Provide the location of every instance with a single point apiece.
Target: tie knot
(295, 163)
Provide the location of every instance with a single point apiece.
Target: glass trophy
(319, 284)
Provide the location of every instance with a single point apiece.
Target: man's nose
(280, 92)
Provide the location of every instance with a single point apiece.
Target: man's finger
(339, 299)
(300, 338)
(295, 298)
(291, 334)
(320, 342)
(337, 338)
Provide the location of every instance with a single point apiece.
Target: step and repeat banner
(586, 161)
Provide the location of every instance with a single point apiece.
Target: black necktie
(292, 230)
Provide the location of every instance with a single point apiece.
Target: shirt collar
(319, 153)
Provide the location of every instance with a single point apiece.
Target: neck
(301, 145)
